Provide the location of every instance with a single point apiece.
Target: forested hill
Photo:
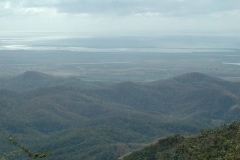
(93, 120)
(33, 80)
(219, 143)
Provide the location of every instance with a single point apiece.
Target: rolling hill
(105, 122)
(33, 80)
(222, 143)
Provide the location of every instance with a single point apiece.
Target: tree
(32, 155)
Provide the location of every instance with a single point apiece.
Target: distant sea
(164, 43)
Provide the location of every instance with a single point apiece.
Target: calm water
(58, 41)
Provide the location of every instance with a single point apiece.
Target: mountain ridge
(114, 119)
(31, 80)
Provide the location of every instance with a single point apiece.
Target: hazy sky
(121, 17)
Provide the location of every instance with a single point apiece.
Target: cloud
(119, 16)
(19, 8)
(172, 8)
(128, 7)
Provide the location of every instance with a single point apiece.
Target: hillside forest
(99, 120)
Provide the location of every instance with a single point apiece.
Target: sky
(121, 17)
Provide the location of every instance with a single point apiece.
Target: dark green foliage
(79, 122)
(32, 80)
(23, 149)
(222, 143)
(5, 156)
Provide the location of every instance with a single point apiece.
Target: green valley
(85, 120)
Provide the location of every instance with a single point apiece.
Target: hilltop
(32, 80)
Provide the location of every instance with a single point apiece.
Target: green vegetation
(32, 80)
(219, 144)
(108, 121)
(32, 155)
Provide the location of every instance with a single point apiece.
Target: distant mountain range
(33, 80)
(102, 121)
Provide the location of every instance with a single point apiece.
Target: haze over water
(75, 42)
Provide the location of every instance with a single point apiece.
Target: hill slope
(222, 143)
(79, 122)
(32, 80)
